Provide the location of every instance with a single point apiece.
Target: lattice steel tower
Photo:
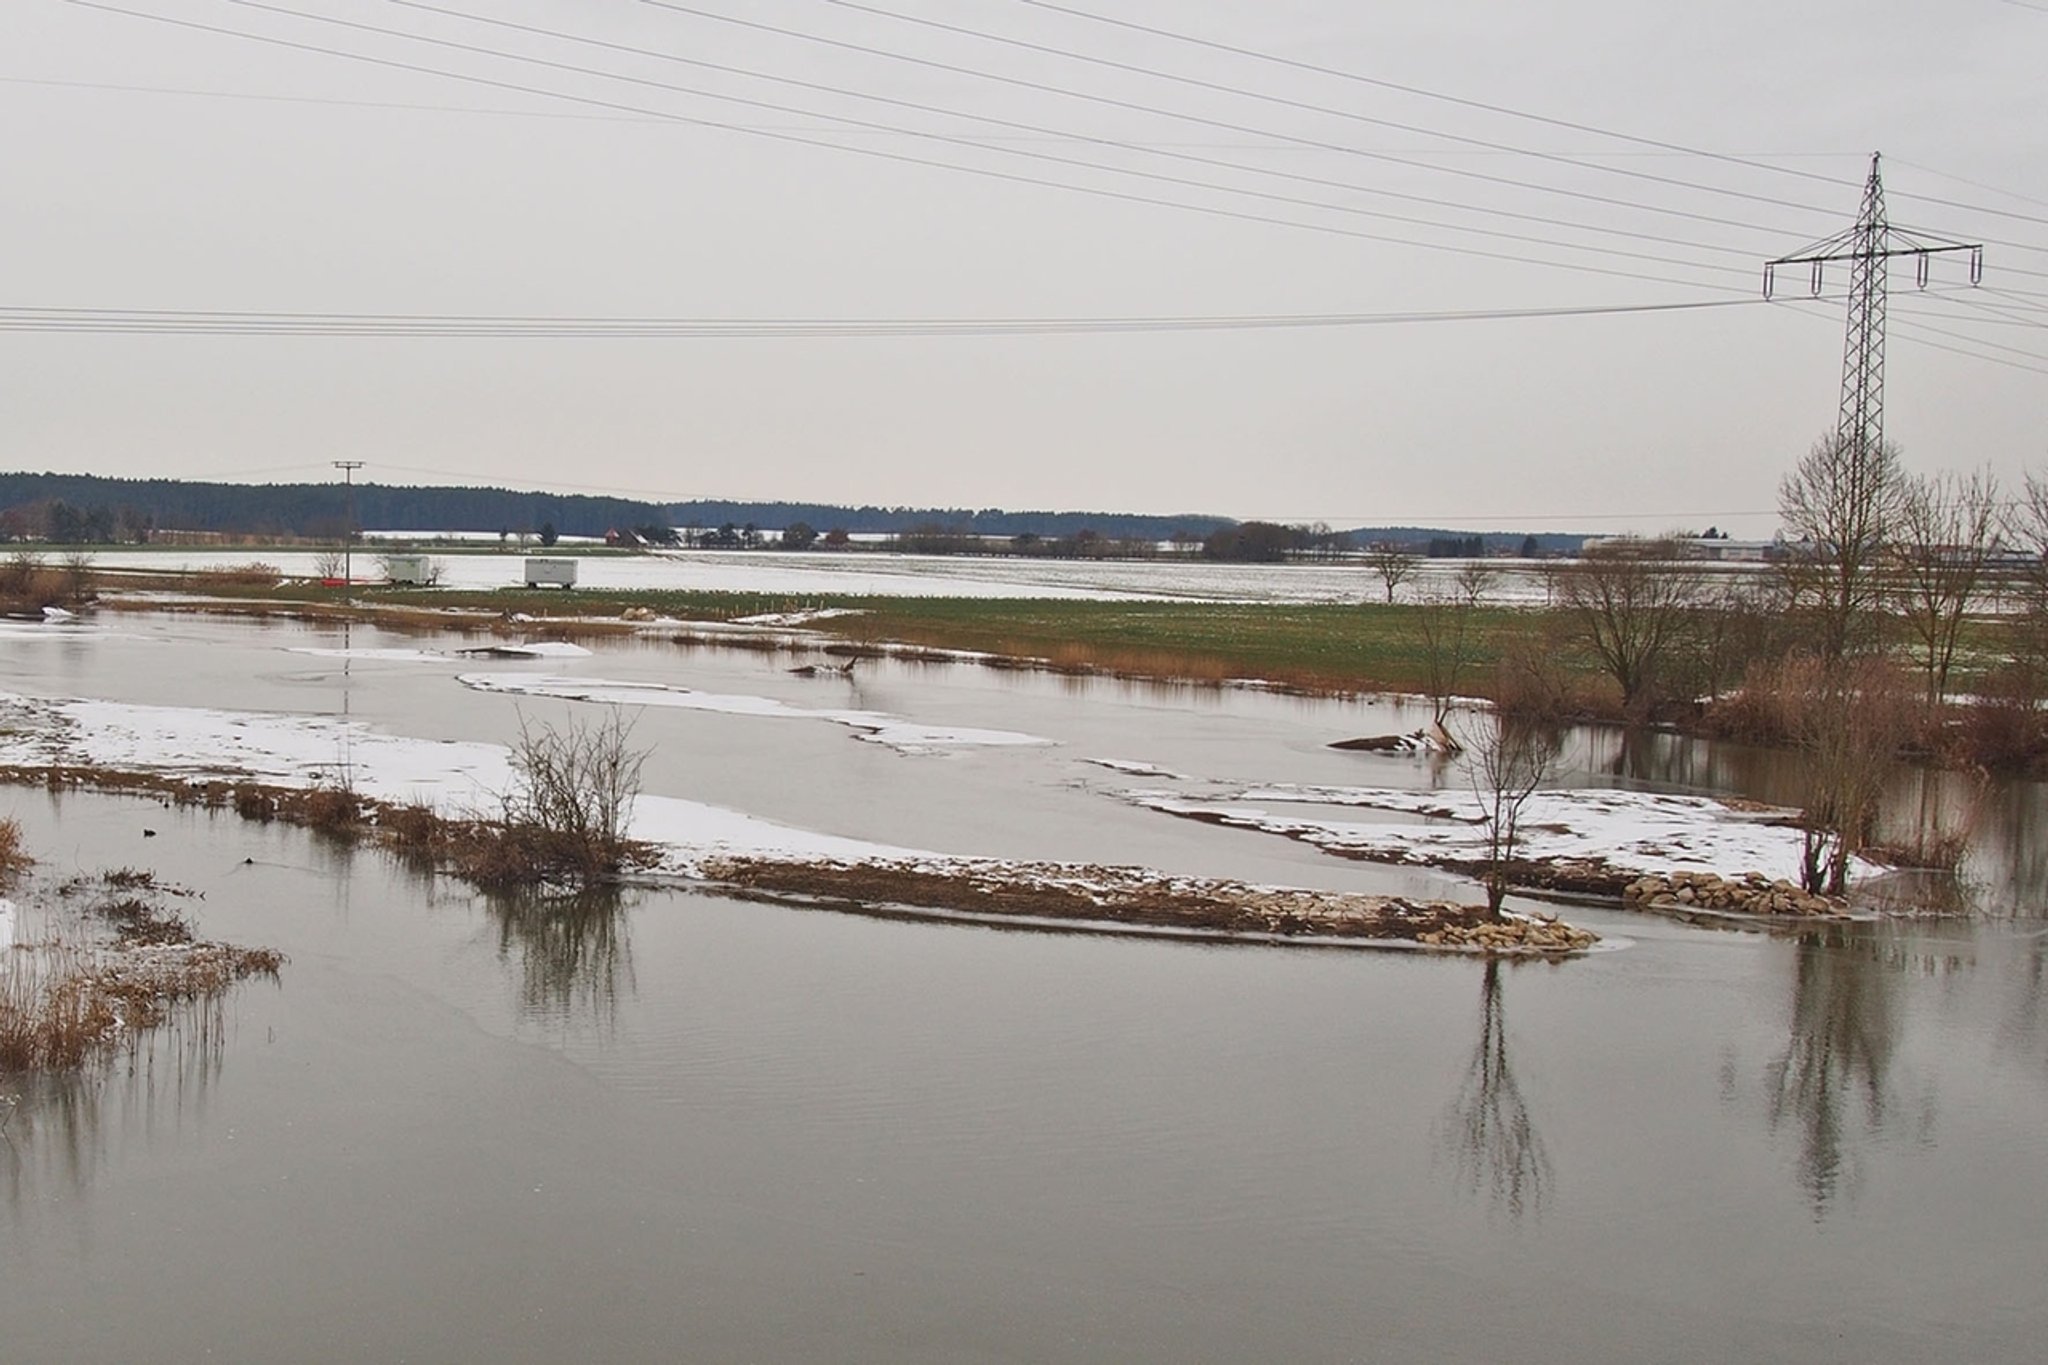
(1869, 247)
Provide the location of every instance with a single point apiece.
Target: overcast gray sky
(156, 166)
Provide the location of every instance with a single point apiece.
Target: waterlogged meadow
(684, 1118)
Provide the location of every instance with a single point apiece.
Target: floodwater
(820, 572)
(681, 1126)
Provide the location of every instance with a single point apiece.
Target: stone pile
(1751, 894)
(1512, 936)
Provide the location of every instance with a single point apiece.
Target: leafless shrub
(1849, 718)
(77, 575)
(1509, 760)
(413, 827)
(565, 818)
(254, 574)
(1531, 685)
(1445, 627)
(14, 859)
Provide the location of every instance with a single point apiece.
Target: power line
(1070, 93)
(1218, 162)
(698, 121)
(1505, 110)
(1219, 87)
(485, 326)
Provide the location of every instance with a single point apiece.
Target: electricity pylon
(1869, 248)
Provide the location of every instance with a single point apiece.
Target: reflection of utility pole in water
(1844, 1031)
(1487, 1130)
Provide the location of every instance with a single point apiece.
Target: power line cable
(989, 172)
(1504, 110)
(1224, 124)
(200, 322)
(1307, 106)
(1150, 148)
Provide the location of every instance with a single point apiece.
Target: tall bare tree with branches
(1392, 564)
(1947, 530)
(1510, 760)
(1629, 600)
(1840, 504)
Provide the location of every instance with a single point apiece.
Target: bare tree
(1510, 760)
(1947, 529)
(2026, 523)
(1849, 717)
(1394, 564)
(77, 575)
(1840, 504)
(1475, 579)
(1446, 631)
(1629, 600)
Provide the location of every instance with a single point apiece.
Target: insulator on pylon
(1920, 270)
(1816, 279)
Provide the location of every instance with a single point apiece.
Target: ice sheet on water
(877, 727)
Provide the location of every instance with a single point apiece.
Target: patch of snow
(795, 618)
(1134, 768)
(6, 925)
(455, 778)
(58, 614)
(876, 727)
(1629, 830)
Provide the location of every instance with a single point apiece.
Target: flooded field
(673, 1124)
(816, 572)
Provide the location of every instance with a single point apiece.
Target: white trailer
(543, 572)
(410, 571)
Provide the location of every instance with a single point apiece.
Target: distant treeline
(75, 509)
(959, 521)
(86, 508)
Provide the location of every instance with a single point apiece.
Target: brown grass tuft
(14, 859)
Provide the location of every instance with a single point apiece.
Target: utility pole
(348, 532)
(1868, 248)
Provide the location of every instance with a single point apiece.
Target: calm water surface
(679, 1126)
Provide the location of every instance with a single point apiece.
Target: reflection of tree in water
(573, 950)
(1844, 1032)
(1487, 1130)
(59, 1128)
